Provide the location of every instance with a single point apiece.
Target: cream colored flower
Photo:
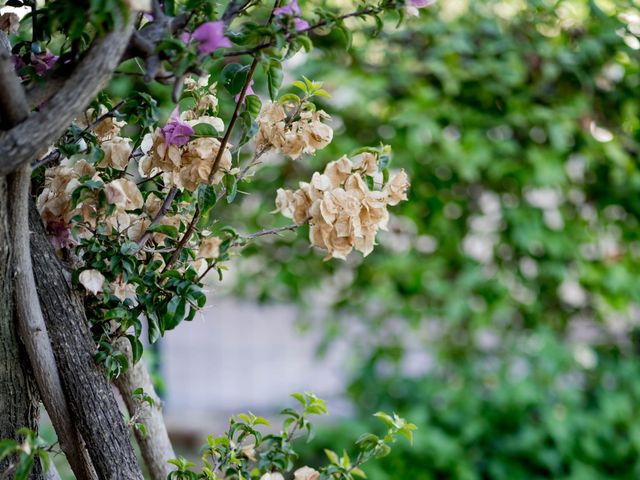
(207, 102)
(367, 163)
(284, 202)
(9, 22)
(215, 122)
(293, 138)
(209, 247)
(306, 473)
(137, 228)
(107, 128)
(92, 280)
(116, 153)
(200, 266)
(139, 5)
(317, 135)
(152, 204)
(338, 171)
(397, 187)
(343, 212)
(272, 476)
(249, 451)
(190, 83)
(124, 291)
(124, 193)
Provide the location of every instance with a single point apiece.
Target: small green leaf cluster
(23, 453)
(244, 452)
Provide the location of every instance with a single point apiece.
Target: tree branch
(93, 405)
(23, 142)
(159, 216)
(31, 327)
(33, 331)
(320, 24)
(155, 445)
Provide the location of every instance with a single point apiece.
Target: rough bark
(93, 405)
(26, 140)
(32, 329)
(30, 323)
(155, 446)
(18, 396)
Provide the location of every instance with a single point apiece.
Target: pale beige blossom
(124, 291)
(9, 22)
(137, 228)
(92, 280)
(292, 136)
(116, 153)
(139, 5)
(124, 193)
(306, 473)
(272, 476)
(186, 166)
(396, 188)
(284, 202)
(249, 451)
(343, 212)
(209, 247)
(367, 163)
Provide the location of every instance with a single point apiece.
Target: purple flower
(176, 132)
(43, 62)
(420, 3)
(60, 235)
(292, 9)
(210, 37)
(300, 24)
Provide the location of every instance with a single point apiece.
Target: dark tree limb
(23, 142)
(93, 405)
(19, 400)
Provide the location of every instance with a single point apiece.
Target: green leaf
(231, 185)
(7, 447)
(274, 78)
(253, 105)
(136, 348)
(168, 230)
(289, 98)
(301, 85)
(233, 77)
(206, 198)
(332, 456)
(205, 130)
(305, 42)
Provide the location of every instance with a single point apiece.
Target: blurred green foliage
(532, 412)
(518, 124)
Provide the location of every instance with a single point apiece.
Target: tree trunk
(18, 396)
(155, 446)
(93, 405)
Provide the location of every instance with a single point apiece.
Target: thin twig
(55, 154)
(272, 231)
(159, 216)
(289, 36)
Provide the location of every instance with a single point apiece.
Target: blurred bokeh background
(501, 311)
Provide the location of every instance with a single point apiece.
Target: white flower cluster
(293, 134)
(56, 207)
(342, 211)
(185, 166)
(304, 473)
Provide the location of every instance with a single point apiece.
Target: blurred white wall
(237, 356)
